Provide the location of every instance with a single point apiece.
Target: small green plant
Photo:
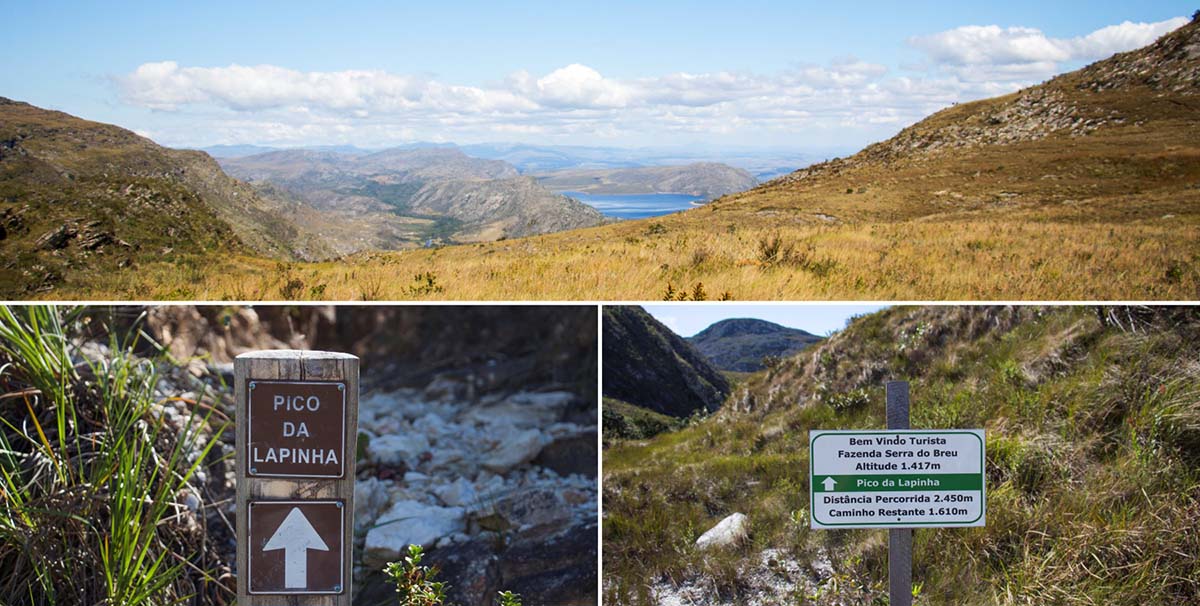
(656, 229)
(424, 283)
(696, 294)
(415, 583)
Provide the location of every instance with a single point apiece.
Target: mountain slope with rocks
(647, 365)
(742, 344)
(79, 199)
(1092, 421)
(707, 180)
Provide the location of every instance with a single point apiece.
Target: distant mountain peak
(741, 344)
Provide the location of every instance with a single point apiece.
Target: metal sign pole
(899, 539)
(297, 427)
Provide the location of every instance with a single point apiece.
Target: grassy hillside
(79, 200)
(1093, 462)
(1085, 187)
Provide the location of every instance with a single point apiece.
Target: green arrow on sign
(829, 484)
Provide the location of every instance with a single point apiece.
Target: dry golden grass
(1108, 216)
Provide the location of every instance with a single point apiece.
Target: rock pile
(475, 483)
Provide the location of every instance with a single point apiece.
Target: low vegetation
(1093, 446)
(94, 478)
(417, 584)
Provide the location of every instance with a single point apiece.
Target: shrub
(416, 584)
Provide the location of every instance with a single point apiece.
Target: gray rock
(513, 450)
(393, 449)
(575, 454)
(459, 493)
(409, 523)
(371, 497)
(730, 531)
(523, 410)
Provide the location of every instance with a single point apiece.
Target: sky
(745, 75)
(686, 320)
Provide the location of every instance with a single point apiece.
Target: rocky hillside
(647, 365)
(707, 180)
(1093, 430)
(742, 344)
(1128, 89)
(80, 197)
(502, 208)
(402, 197)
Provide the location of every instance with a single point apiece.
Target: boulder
(398, 448)
(56, 238)
(528, 508)
(459, 493)
(371, 497)
(523, 410)
(570, 455)
(514, 449)
(409, 523)
(732, 530)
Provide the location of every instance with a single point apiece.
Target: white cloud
(846, 102)
(983, 52)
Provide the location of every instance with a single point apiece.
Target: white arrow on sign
(829, 484)
(295, 536)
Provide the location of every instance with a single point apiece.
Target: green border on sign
(812, 495)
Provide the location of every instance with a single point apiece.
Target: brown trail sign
(297, 427)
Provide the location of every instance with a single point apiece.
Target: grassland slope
(1093, 435)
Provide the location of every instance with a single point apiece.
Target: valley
(1083, 187)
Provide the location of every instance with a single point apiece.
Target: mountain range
(707, 180)
(404, 197)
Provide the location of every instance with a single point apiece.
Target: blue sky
(748, 74)
(688, 319)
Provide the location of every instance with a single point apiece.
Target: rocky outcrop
(467, 480)
(647, 365)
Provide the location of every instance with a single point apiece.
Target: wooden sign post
(297, 428)
(898, 479)
(899, 539)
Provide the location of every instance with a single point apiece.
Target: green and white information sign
(897, 479)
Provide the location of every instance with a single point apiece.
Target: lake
(635, 206)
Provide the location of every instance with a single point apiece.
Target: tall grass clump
(91, 471)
